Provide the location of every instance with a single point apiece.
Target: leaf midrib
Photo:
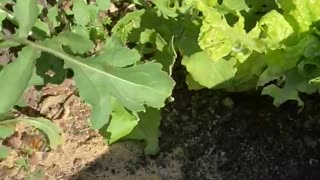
(72, 60)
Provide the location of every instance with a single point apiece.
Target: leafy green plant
(249, 44)
(235, 45)
(122, 66)
(112, 80)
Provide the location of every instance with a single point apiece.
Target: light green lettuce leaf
(217, 72)
(274, 30)
(294, 84)
(301, 13)
(281, 60)
(237, 5)
(219, 39)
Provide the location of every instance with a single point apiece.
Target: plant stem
(54, 52)
(45, 49)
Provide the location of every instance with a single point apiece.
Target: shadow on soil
(211, 135)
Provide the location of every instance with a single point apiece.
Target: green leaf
(247, 74)
(167, 56)
(281, 60)
(219, 39)
(309, 68)
(301, 13)
(41, 28)
(164, 51)
(76, 42)
(121, 124)
(82, 31)
(294, 83)
(170, 8)
(4, 152)
(237, 5)
(185, 42)
(192, 84)
(103, 4)
(51, 130)
(3, 16)
(126, 24)
(282, 95)
(148, 130)
(97, 80)
(116, 54)
(133, 87)
(81, 12)
(6, 116)
(5, 131)
(8, 44)
(26, 13)
(52, 15)
(18, 73)
(219, 71)
(275, 30)
(22, 163)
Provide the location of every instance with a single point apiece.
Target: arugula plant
(123, 91)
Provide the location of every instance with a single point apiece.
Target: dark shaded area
(248, 139)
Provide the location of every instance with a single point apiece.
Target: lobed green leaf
(16, 76)
(26, 12)
(148, 130)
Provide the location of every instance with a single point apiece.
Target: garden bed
(204, 135)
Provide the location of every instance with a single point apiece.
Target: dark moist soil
(241, 136)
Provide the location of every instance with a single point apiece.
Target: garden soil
(205, 134)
